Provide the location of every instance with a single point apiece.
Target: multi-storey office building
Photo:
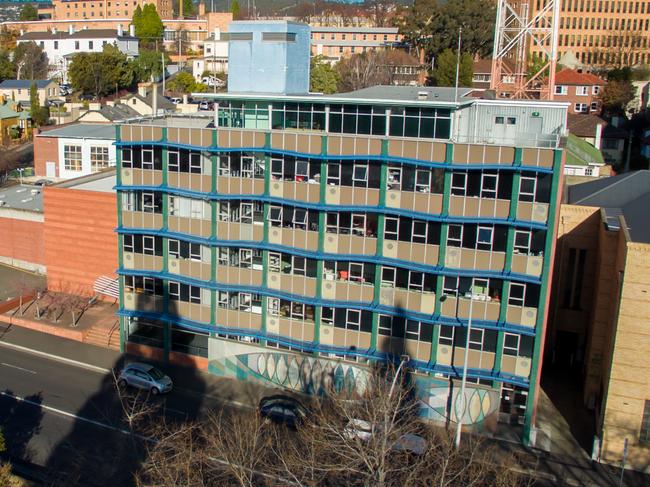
(293, 239)
(601, 32)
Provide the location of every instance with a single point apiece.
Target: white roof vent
(423, 95)
(27, 200)
(21, 190)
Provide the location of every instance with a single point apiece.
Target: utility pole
(163, 72)
(460, 36)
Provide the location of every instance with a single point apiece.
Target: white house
(215, 56)
(74, 150)
(61, 46)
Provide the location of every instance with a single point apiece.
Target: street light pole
(463, 383)
(404, 359)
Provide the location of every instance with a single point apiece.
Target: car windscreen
(155, 373)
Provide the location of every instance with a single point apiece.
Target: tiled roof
(584, 125)
(572, 77)
(24, 83)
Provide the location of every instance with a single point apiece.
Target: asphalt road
(67, 418)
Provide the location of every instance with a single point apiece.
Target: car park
(283, 410)
(145, 376)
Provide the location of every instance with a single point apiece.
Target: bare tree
(371, 438)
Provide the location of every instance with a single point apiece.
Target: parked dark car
(283, 410)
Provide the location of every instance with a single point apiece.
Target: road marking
(66, 414)
(18, 368)
(101, 370)
(57, 358)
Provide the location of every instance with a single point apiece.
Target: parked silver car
(145, 376)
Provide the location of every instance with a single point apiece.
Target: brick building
(79, 232)
(65, 231)
(338, 42)
(602, 33)
(74, 150)
(599, 323)
(580, 89)
(106, 9)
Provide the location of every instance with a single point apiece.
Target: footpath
(551, 469)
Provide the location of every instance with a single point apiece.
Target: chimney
(120, 32)
(201, 9)
(53, 30)
(132, 30)
(71, 29)
(599, 135)
(143, 89)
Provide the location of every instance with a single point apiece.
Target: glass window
(98, 158)
(72, 157)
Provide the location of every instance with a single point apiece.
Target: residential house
(215, 56)
(143, 101)
(15, 123)
(61, 46)
(109, 113)
(604, 135)
(582, 158)
(18, 89)
(579, 88)
(482, 76)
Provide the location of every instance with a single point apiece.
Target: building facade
(17, 90)
(602, 33)
(103, 9)
(294, 240)
(74, 150)
(336, 43)
(598, 324)
(582, 90)
(60, 47)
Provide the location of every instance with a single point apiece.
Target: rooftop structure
(268, 57)
(22, 197)
(24, 84)
(626, 195)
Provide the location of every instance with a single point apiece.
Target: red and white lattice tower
(524, 26)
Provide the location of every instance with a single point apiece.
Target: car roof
(139, 366)
(269, 400)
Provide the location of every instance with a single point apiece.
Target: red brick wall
(22, 240)
(80, 238)
(45, 149)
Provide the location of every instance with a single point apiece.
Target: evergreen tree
(148, 26)
(234, 10)
(28, 12)
(39, 114)
(444, 72)
(323, 78)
